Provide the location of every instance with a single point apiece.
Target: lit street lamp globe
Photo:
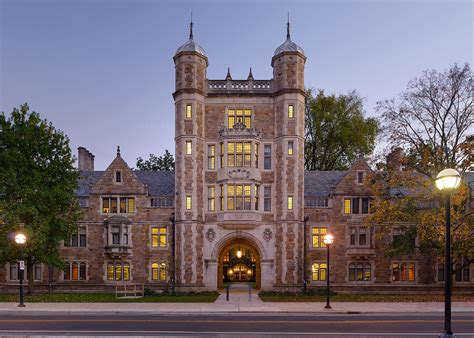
(448, 179)
(20, 238)
(328, 239)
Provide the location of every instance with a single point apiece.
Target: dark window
(118, 176)
(82, 240)
(365, 205)
(440, 272)
(353, 236)
(458, 272)
(355, 205)
(115, 235)
(360, 177)
(74, 240)
(362, 236)
(267, 157)
(465, 274)
(82, 271)
(267, 198)
(352, 272)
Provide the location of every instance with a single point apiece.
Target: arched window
(367, 272)
(319, 271)
(404, 272)
(352, 272)
(154, 271)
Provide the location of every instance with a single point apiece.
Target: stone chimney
(86, 159)
(395, 159)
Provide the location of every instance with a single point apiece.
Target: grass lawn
(201, 297)
(268, 296)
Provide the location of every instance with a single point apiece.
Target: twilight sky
(102, 70)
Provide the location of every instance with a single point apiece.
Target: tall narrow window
(362, 236)
(131, 205)
(162, 271)
(189, 147)
(239, 198)
(188, 203)
(247, 154)
(123, 205)
(230, 197)
(290, 111)
(247, 197)
(222, 155)
(154, 271)
(231, 154)
(221, 197)
(365, 205)
(211, 199)
(256, 193)
(115, 235)
(290, 147)
(355, 205)
(256, 154)
(189, 111)
(247, 118)
(289, 203)
(211, 157)
(267, 198)
(239, 154)
(353, 236)
(360, 177)
(347, 205)
(118, 176)
(267, 157)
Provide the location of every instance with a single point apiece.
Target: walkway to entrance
(239, 295)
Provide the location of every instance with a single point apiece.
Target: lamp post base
(328, 306)
(21, 305)
(447, 335)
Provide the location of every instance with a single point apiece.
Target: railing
(239, 85)
(129, 290)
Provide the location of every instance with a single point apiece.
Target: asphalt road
(248, 325)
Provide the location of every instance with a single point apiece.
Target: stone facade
(239, 184)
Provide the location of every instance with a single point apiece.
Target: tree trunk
(30, 275)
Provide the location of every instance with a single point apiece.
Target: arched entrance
(239, 261)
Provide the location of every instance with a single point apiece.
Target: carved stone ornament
(267, 234)
(210, 234)
(239, 173)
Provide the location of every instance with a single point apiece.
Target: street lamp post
(328, 240)
(446, 181)
(20, 239)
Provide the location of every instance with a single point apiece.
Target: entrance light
(239, 253)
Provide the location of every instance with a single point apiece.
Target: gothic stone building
(239, 206)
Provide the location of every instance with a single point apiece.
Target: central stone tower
(239, 172)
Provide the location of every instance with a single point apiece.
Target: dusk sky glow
(102, 71)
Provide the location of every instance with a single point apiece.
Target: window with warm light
(289, 203)
(189, 111)
(317, 234)
(403, 272)
(188, 203)
(211, 157)
(189, 147)
(118, 205)
(158, 271)
(290, 111)
(159, 237)
(118, 271)
(290, 147)
(319, 272)
(211, 199)
(360, 272)
(74, 271)
(235, 116)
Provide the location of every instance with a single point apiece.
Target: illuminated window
(114, 205)
(235, 116)
(317, 235)
(189, 147)
(231, 154)
(404, 272)
(188, 203)
(211, 199)
(247, 154)
(159, 237)
(347, 205)
(290, 203)
(239, 154)
(290, 147)
(290, 111)
(74, 271)
(239, 197)
(158, 272)
(189, 111)
(211, 157)
(319, 272)
(118, 271)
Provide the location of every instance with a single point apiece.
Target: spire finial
(288, 27)
(228, 76)
(191, 27)
(250, 74)
(118, 150)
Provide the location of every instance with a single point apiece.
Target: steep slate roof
(319, 183)
(160, 183)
